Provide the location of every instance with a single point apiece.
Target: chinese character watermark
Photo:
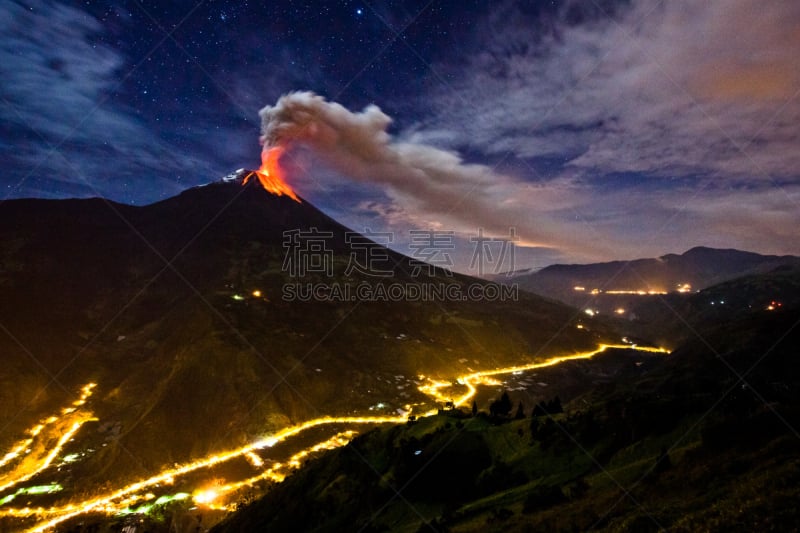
(368, 253)
(307, 252)
(371, 268)
(428, 251)
(493, 252)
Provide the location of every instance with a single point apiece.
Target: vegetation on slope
(688, 447)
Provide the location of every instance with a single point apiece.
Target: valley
(162, 380)
(210, 483)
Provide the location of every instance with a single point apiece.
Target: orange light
(460, 391)
(205, 497)
(254, 459)
(270, 174)
(441, 390)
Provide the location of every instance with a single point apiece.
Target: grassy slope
(184, 369)
(733, 463)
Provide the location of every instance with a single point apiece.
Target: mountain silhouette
(699, 268)
(177, 311)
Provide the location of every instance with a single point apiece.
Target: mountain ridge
(583, 285)
(177, 314)
(700, 440)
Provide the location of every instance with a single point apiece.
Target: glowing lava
(270, 174)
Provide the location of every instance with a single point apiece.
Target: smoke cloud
(358, 145)
(424, 178)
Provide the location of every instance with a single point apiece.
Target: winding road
(45, 441)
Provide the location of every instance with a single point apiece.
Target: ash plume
(358, 145)
(429, 180)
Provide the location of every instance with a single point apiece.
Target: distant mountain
(177, 311)
(675, 317)
(588, 286)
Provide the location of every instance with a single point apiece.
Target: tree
(520, 412)
(501, 407)
(474, 408)
(554, 406)
(548, 408)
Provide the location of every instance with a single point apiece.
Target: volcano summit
(174, 313)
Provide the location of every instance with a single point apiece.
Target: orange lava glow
(270, 175)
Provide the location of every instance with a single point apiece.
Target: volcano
(175, 312)
(271, 175)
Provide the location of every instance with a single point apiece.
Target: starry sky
(610, 129)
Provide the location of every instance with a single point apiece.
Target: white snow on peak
(233, 176)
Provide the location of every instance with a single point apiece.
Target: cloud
(663, 88)
(429, 187)
(435, 187)
(766, 220)
(619, 128)
(674, 122)
(357, 145)
(58, 82)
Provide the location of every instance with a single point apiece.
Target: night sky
(609, 130)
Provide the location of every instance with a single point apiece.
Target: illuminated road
(32, 456)
(434, 388)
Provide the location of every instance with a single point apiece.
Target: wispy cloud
(664, 88)
(695, 104)
(620, 128)
(664, 124)
(57, 81)
(435, 187)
